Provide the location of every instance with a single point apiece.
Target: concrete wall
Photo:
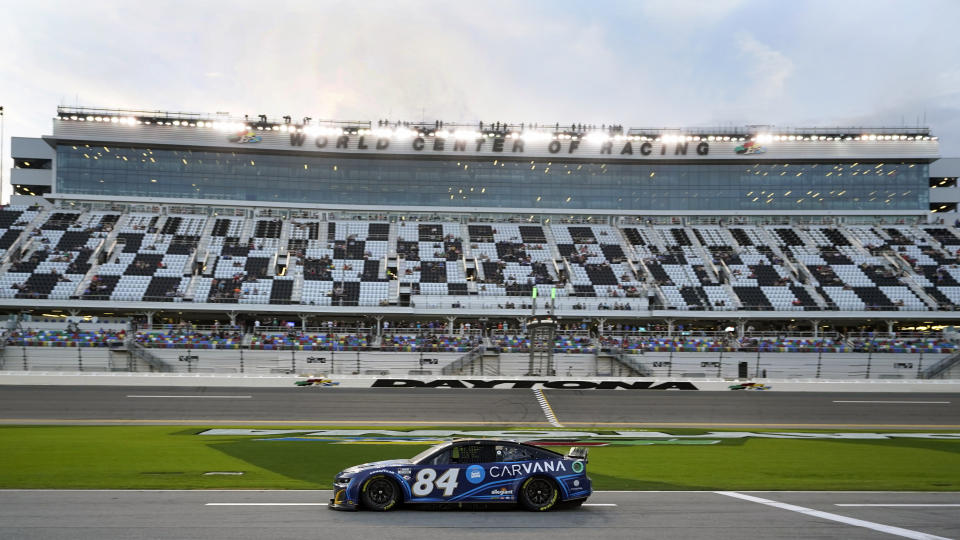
(287, 381)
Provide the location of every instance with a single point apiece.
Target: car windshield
(428, 452)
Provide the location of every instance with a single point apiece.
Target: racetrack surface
(475, 407)
(238, 515)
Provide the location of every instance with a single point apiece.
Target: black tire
(380, 493)
(538, 494)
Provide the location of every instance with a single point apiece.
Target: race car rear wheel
(538, 494)
(380, 493)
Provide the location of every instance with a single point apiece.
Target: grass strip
(165, 457)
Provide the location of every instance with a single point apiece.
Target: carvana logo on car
(475, 474)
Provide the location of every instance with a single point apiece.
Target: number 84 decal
(427, 480)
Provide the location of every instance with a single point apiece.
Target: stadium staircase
(141, 353)
(25, 235)
(942, 369)
(24, 245)
(628, 361)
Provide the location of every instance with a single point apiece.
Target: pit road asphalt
(240, 515)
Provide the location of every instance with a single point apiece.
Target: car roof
(490, 440)
(496, 440)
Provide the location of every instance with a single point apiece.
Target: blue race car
(468, 471)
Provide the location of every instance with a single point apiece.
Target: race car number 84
(427, 480)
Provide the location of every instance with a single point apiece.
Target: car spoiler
(578, 452)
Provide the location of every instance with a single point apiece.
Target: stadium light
(597, 136)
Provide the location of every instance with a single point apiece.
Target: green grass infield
(165, 457)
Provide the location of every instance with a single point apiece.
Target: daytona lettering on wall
(512, 383)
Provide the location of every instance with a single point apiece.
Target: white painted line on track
(599, 504)
(889, 529)
(264, 504)
(188, 397)
(547, 409)
(906, 505)
(914, 402)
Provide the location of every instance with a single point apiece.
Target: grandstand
(728, 232)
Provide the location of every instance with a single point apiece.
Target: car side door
(444, 477)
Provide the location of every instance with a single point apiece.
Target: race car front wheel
(538, 494)
(380, 493)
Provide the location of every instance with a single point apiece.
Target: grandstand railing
(481, 361)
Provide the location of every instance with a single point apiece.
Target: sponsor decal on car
(475, 474)
(518, 469)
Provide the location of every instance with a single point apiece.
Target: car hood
(377, 465)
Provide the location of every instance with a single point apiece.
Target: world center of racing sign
(385, 143)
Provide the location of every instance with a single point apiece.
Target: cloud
(676, 63)
(691, 11)
(769, 68)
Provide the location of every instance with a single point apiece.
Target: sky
(676, 63)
